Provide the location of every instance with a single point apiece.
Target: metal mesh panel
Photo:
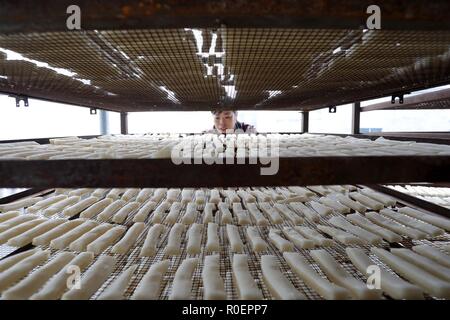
(144, 263)
(202, 69)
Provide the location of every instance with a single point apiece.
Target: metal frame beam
(19, 195)
(164, 173)
(18, 16)
(285, 104)
(428, 100)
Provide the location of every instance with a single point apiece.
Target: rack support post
(356, 118)
(305, 121)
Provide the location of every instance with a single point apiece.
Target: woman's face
(224, 120)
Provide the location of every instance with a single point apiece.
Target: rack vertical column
(305, 121)
(356, 117)
(124, 122)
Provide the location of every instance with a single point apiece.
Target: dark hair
(214, 112)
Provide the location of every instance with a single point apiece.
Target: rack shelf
(133, 56)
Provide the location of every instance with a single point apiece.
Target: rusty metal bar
(164, 173)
